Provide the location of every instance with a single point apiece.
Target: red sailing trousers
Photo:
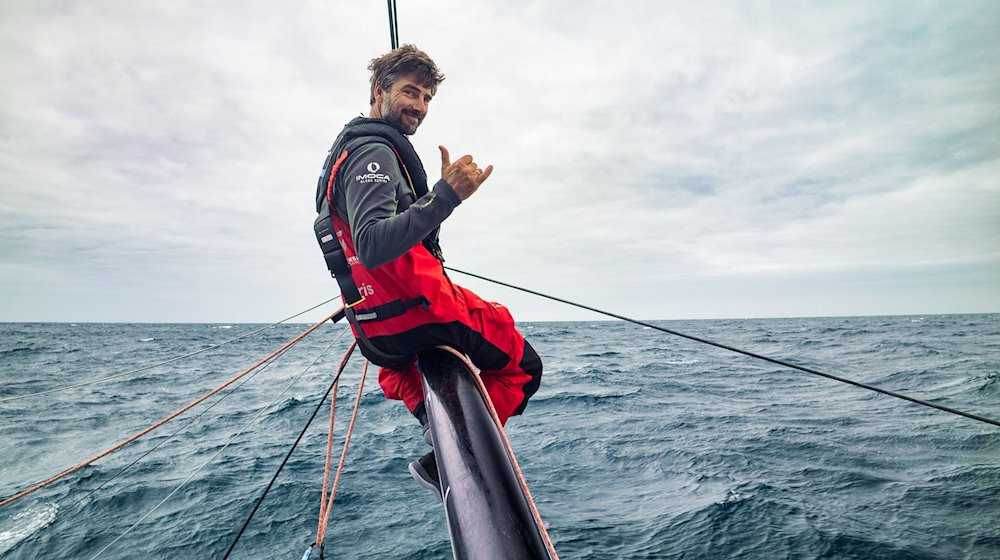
(509, 367)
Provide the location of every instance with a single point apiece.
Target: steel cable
(784, 363)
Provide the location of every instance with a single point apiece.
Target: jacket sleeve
(373, 184)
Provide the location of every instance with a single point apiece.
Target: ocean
(639, 444)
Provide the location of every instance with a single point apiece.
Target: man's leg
(510, 387)
(403, 385)
(510, 368)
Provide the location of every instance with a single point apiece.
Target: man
(378, 228)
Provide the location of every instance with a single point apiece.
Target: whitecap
(731, 496)
(20, 526)
(681, 362)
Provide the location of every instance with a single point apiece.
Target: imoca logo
(373, 176)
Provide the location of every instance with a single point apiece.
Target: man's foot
(427, 435)
(424, 470)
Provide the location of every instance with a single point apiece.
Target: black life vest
(409, 291)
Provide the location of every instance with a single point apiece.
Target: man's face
(404, 104)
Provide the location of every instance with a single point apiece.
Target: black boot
(424, 470)
(421, 413)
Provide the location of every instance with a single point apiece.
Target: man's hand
(463, 176)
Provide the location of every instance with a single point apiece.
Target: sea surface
(639, 444)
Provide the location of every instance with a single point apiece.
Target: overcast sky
(663, 160)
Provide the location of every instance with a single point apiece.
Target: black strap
(333, 254)
(388, 310)
(338, 315)
(369, 350)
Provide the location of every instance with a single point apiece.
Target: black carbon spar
(489, 513)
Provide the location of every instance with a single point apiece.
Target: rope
(328, 506)
(393, 24)
(165, 362)
(915, 400)
(195, 419)
(219, 452)
(329, 459)
(168, 438)
(319, 405)
(166, 419)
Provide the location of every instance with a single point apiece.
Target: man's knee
(531, 364)
(397, 383)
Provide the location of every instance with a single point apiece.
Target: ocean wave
(989, 383)
(556, 333)
(657, 451)
(597, 396)
(973, 475)
(847, 331)
(663, 364)
(19, 350)
(605, 354)
(902, 347)
(845, 480)
(289, 404)
(978, 442)
(23, 525)
(960, 490)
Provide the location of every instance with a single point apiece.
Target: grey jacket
(385, 217)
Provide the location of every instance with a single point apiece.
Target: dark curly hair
(399, 62)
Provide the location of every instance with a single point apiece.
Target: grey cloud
(648, 149)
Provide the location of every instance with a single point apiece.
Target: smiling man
(378, 228)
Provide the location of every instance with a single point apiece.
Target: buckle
(363, 298)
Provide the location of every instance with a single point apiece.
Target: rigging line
(393, 24)
(288, 455)
(192, 421)
(327, 461)
(914, 400)
(168, 418)
(165, 362)
(325, 517)
(219, 452)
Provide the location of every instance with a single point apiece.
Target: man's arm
(373, 183)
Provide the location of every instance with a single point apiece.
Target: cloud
(170, 150)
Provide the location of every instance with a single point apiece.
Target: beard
(406, 123)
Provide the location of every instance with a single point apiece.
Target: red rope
(173, 415)
(329, 437)
(325, 513)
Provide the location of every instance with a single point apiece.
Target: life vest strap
(333, 254)
(368, 349)
(388, 310)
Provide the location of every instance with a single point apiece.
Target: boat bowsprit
(489, 510)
